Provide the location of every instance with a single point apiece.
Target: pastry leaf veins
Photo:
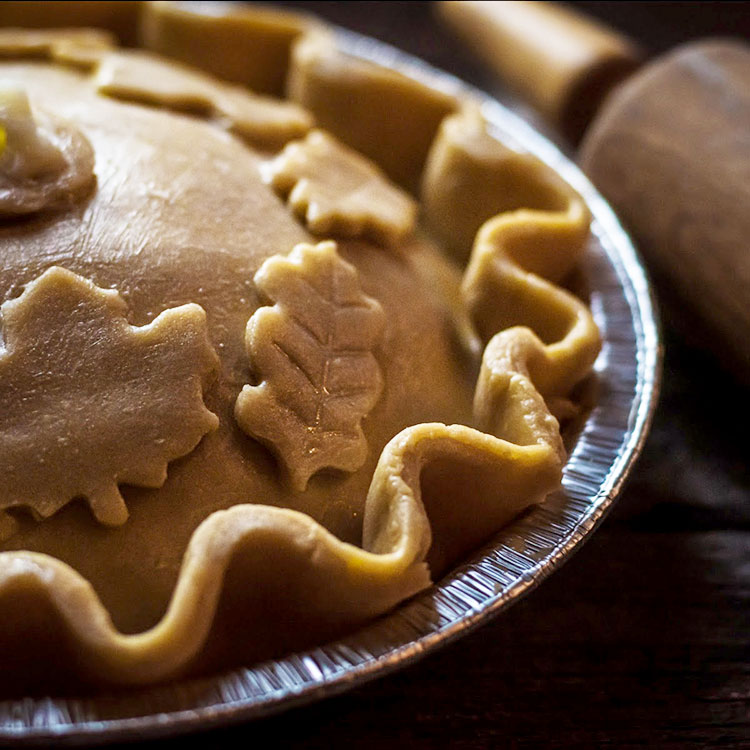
(312, 351)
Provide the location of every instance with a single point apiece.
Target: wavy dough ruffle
(532, 229)
(528, 230)
(317, 582)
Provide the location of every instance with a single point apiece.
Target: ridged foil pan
(513, 563)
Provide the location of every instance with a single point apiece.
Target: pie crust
(261, 403)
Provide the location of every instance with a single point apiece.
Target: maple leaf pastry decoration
(89, 401)
(313, 349)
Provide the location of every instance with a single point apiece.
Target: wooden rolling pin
(668, 146)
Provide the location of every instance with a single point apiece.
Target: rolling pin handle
(554, 58)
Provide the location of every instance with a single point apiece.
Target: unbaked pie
(269, 367)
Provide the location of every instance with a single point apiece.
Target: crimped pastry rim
(282, 683)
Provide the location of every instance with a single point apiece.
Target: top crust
(260, 529)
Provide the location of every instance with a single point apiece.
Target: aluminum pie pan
(517, 559)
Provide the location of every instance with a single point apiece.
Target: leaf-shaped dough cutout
(313, 352)
(338, 192)
(147, 79)
(262, 121)
(78, 48)
(89, 401)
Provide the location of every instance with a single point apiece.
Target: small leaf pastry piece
(89, 401)
(239, 43)
(263, 122)
(313, 351)
(377, 111)
(78, 48)
(338, 192)
(45, 163)
(135, 76)
(470, 176)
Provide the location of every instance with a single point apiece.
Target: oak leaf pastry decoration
(89, 401)
(313, 350)
(262, 121)
(338, 192)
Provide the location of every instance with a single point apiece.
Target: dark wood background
(643, 639)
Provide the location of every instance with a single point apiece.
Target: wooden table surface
(643, 638)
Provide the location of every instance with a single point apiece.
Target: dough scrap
(45, 163)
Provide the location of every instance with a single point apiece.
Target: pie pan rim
(505, 570)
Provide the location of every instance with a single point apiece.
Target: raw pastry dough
(347, 366)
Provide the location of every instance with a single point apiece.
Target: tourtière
(270, 367)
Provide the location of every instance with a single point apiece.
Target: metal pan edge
(509, 567)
